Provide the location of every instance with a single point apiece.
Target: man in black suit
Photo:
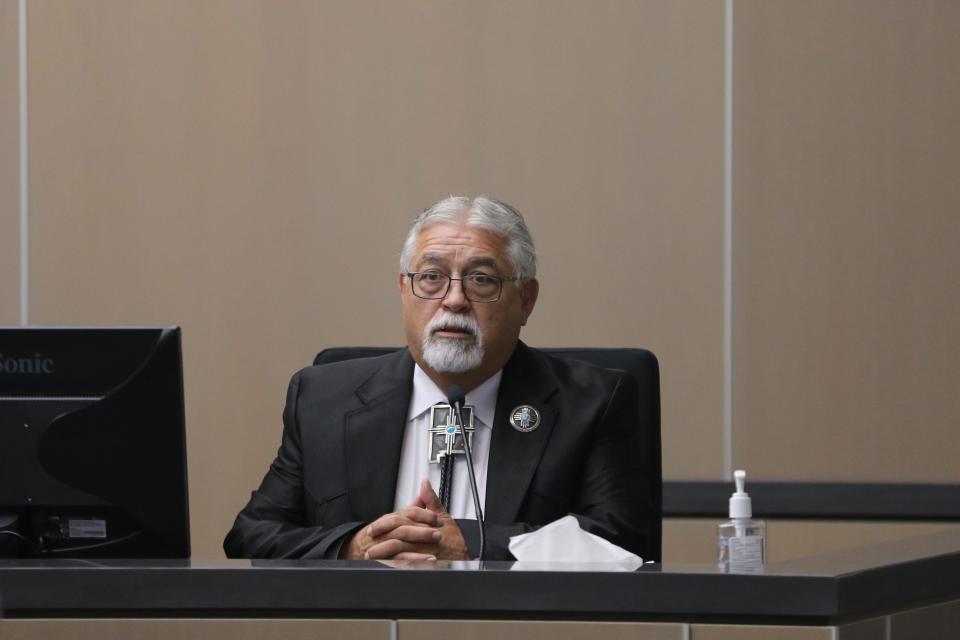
(553, 437)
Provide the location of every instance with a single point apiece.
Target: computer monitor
(92, 443)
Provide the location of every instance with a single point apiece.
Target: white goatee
(452, 355)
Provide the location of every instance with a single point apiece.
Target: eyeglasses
(477, 287)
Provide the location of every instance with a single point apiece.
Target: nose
(455, 300)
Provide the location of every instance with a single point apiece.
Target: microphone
(456, 398)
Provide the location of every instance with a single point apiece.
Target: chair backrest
(640, 363)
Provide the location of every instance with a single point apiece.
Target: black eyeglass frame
(446, 290)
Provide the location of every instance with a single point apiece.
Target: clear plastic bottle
(742, 541)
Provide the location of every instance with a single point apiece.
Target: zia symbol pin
(525, 418)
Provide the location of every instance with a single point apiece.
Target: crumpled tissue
(564, 541)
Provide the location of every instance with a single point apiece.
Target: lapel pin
(525, 418)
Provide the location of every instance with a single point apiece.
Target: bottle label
(746, 554)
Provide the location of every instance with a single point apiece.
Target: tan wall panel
(792, 539)
(190, 629)
(630, 215)
(247, 170)
(758, 632)
(872, 629)
(846, 264)
(689, 541)
(694, 540)
(937, 622)
(9, 163)
(537, 630)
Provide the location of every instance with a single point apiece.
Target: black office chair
(640, 363)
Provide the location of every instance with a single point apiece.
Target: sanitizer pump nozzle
(742, 540)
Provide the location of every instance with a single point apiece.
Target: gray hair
(486, 213)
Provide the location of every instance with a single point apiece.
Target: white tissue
(564, 541)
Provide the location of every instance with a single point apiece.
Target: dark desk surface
(828, 589)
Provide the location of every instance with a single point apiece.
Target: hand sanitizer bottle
(742, 541)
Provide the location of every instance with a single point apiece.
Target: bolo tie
(446, 443)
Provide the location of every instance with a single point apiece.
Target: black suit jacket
(343, 429)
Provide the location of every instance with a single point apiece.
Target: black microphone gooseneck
(456, 398)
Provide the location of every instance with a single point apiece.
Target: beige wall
(223, 165)
(847, 274)
(9, 164)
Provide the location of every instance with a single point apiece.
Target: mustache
(448, 320)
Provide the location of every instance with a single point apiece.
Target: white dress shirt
(414, 458)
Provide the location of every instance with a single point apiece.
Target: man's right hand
(408, 534)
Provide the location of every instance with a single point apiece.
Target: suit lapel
(374, 437)
(515, 455)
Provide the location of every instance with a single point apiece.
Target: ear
(401, 280)
(528, 298)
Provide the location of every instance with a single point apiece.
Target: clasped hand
(423, 530)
